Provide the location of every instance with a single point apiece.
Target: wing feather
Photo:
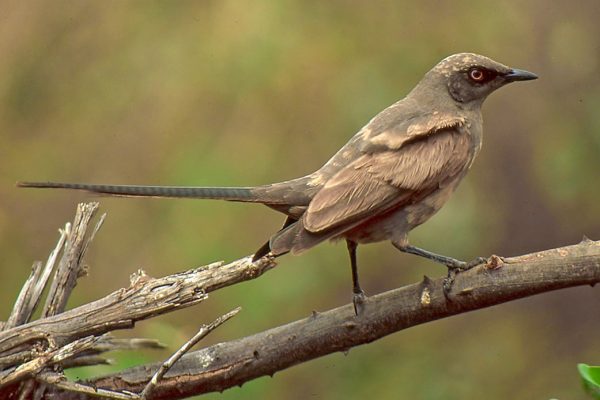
(379, 181)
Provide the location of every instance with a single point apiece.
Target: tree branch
(230, 364)
(70, 267)
(60, 339)
(144, 298)
(34, 286)
(168, 364)
(79, 335)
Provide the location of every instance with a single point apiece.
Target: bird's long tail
(245, 194)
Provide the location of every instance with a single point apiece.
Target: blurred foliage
(591, 379)
(242, 93)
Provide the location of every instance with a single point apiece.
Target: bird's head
(471, 77)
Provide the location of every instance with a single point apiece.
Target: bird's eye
(477, 75)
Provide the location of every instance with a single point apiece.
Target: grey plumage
(275, 194)
(392, 176)
(233, 194)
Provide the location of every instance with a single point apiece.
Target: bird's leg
(358, 296)
(454, 266)
(449, 262)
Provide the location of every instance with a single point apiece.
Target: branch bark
(28, 349)
(70, 267)
(145, 297)
(230, 364)
(40, 349)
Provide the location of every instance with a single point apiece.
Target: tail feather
(296, 192)
(296, 239)
(266, 248)
(223, 193)
(261, 252)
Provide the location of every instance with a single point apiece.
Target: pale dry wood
(144, 298)
(38, 356)
(26, 350)
(21, 311)
(108, 343)
(17, 358)
(70, 242)
(86, 361)
(60, 382)
(168, 364)
(105, 343)
(45, 359)
(33, 288)
(221, 366)
(70, 267)
(230, 364)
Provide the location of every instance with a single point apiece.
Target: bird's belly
(396, 223)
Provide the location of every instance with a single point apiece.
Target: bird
(390, 177)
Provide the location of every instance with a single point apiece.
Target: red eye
(477, 75)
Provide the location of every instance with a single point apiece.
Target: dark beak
(519, 75)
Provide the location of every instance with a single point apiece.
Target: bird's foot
(457, 266)
(358, 299)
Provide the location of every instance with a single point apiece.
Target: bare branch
(49, 357)
(27, 350)
(204, 330)
(21, 311)
(60, 382)
(69, 267)
(230, 364)
(144, 298)
(86, 361)
(17, 358)
(34, 286)
(108, 343)
(78, 336)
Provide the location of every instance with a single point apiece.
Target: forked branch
(78, 336)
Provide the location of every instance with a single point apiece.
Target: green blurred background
(244, 93)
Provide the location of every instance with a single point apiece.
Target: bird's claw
(448, 282)
(476, 261)
(456, 267)
(358, 299)
(460, 266)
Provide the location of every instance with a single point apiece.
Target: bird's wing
(378, 135)
(381, 180)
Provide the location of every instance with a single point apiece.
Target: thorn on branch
(494, 262)
(586, 240)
